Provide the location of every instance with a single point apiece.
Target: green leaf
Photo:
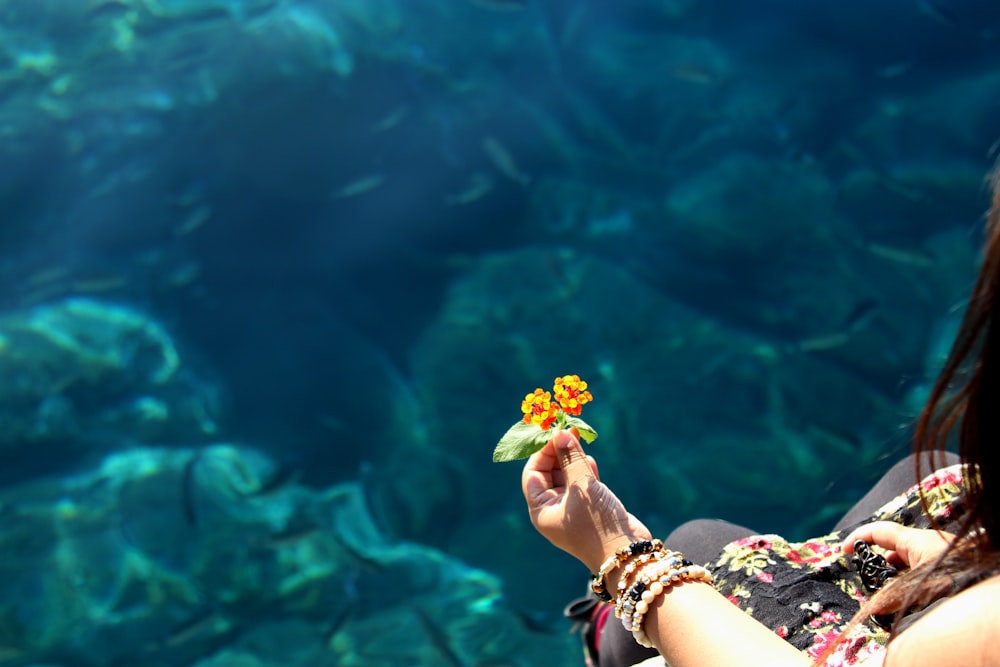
(586, 432)
(519, 442)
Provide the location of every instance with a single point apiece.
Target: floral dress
(807, 592)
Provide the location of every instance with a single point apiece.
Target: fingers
(544, 460)
(572, 458)
(904, 545)
(543, 470)
(885, 534)
(537, 474)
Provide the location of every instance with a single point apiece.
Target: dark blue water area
(351, 236)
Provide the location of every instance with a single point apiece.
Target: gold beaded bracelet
(615, 560)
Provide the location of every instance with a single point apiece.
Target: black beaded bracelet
(616, 559)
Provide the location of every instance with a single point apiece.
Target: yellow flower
(539, 409)
(571, 393)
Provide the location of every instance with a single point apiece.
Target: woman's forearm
(692, 625)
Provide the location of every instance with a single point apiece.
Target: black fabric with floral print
(807, 592)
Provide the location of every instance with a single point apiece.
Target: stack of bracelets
(649, 570)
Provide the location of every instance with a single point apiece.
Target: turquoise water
(276, 275)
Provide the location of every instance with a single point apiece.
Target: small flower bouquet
(541, 413)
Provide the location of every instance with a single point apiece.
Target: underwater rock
(907, 202)
(300, 39)
(85, 374)
(587, 212)
(659, 70)
(195, 10)
(772, 234)
(747, 207)
(168, 556)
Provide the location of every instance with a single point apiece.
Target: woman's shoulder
(959, 630)
(980, 599)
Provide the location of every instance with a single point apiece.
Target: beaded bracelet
(630, 568)
(626, 600)
(666, 560)
(650, 585)
(616, 559)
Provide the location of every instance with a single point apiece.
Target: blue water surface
(276, 274)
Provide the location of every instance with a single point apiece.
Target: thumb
(572, 458)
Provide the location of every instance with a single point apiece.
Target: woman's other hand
(571, 507)
(906, 547)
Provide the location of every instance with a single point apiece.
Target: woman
(941, 609)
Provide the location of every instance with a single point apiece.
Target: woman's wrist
(613, 553)
(610, 547)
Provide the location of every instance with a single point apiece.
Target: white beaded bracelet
(660, 581)
(625, 601)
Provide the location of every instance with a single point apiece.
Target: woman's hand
(907, 547)
(571, 507)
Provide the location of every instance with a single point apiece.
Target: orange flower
(571, 393)
(539, 409)
(522, 440)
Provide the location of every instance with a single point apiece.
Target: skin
(571, 507)
(905, 547)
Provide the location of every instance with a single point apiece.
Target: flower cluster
(571, 393)
(542, 412)
(570, 396)
(539, 409)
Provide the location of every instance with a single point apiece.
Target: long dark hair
(967, 392)
(960, 407)
(963, 406)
